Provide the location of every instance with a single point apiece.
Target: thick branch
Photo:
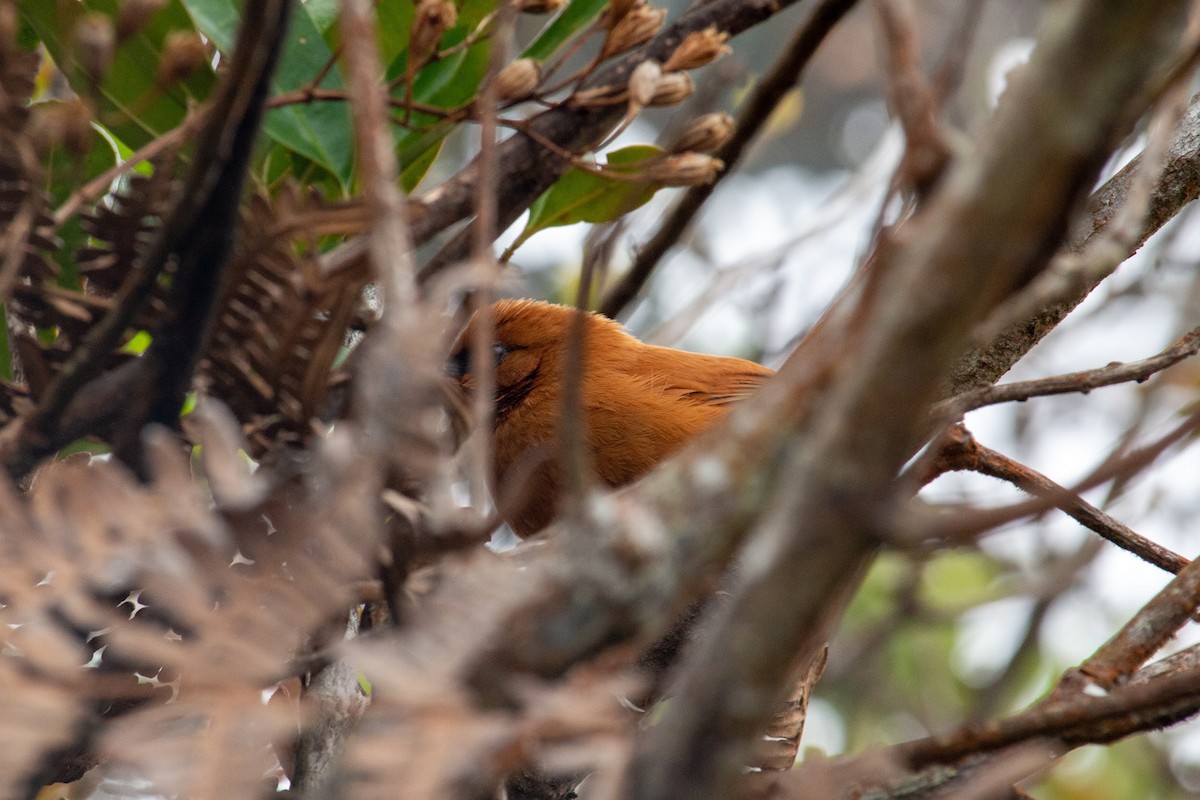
(1178, 186)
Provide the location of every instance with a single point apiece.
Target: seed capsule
(637, 27)
(674, 87)
(697, 49)
(685, 169)
(518, 80)
(706, 133)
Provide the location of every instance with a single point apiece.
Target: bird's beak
(457, 366)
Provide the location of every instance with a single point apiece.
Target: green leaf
(5, 351)
(323, 13)
(84, 446)
(132, 106)
(319, 131)
(412, 172)
(395, 27)
(958, 579)
(449, 83)
(137, 344)
(584, 196)
(571, 20)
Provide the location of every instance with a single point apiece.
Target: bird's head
(527, 350)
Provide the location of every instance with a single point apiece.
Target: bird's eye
(499, 351)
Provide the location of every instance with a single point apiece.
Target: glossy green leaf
(571, 20)
(319, 131)
(449, 83)
(583, 196)
(323, 13)
(132, 106)
(395, 27)
(412, 172)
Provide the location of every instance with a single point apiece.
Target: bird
(640, 402)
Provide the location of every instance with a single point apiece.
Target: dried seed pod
(540, 6)
(183, 53)
(133, 15)
(636, 27)
(94, 42)
(674, 87)
(518, 80)
(433, 18)
(65, 123)
(697, 49)
(684, 169)
(706, 133)
(617, 9)
(643, 83)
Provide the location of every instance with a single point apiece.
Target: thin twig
(949, 72)
(909, 93)
(483, 263)
(1080, 382)
(1136, 706)
(962, 525)
(1147, 632)
(965, 453)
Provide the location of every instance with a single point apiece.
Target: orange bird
(640, 402)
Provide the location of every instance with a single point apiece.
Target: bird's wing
(722, 389)
(700, 379)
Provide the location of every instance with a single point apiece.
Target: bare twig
(1080, 382)
(949, 71)
(1074, 717)
(909, 93)
(1120, 465)
(965, 453)
(1144, 635)
(1048, 301)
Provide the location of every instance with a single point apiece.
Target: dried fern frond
(282, 324)
(121, 227)
(168, 599)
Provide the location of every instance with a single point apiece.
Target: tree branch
(933, 281)
(1178, 185)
